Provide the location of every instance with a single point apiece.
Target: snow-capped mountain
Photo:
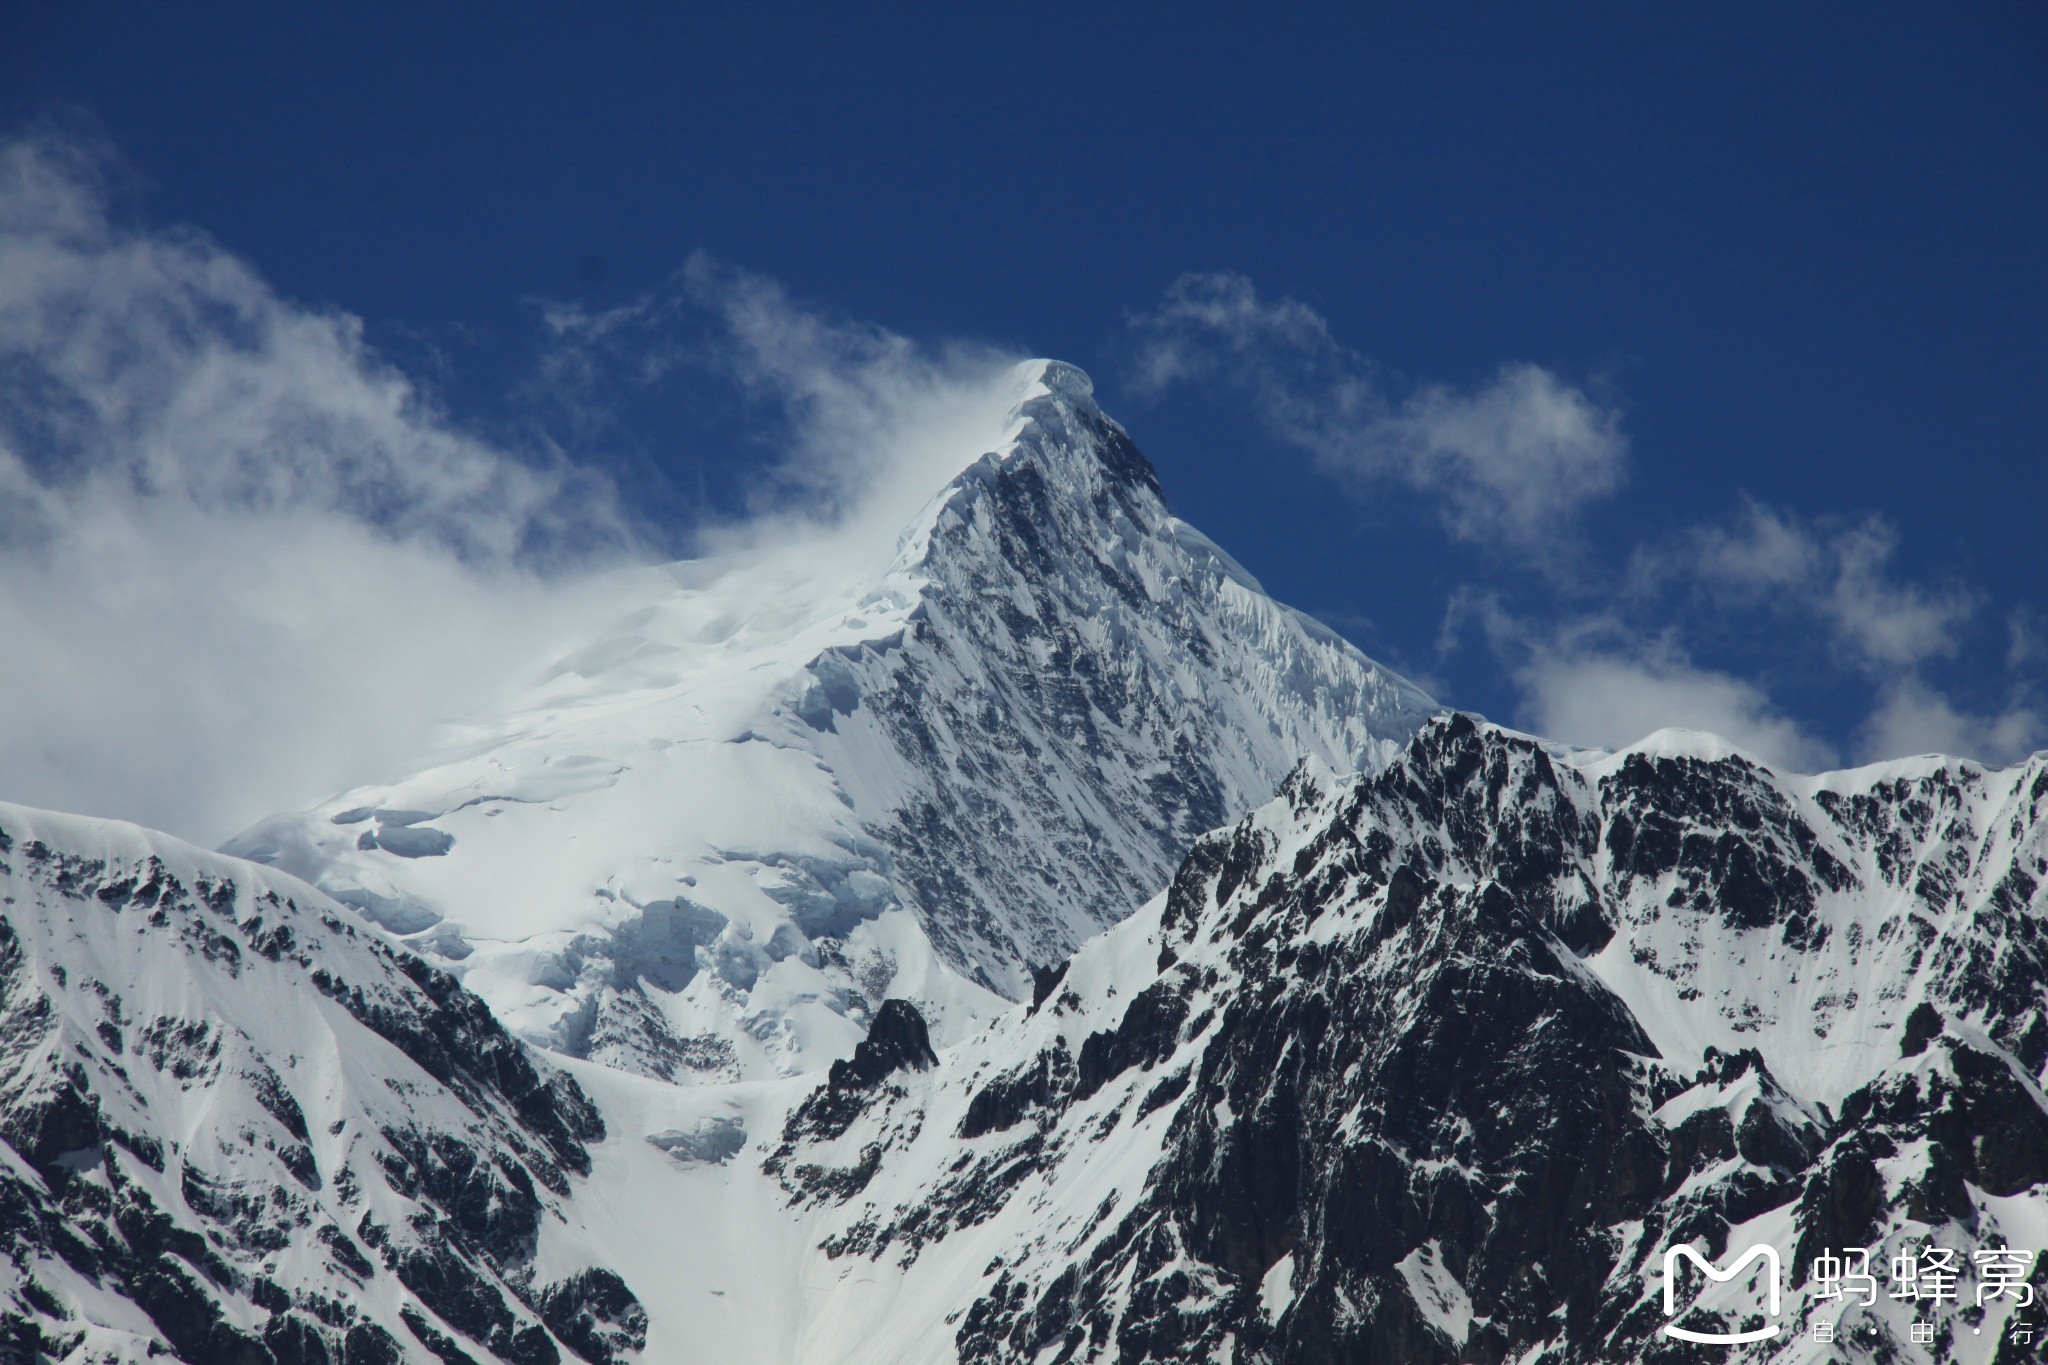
(241, 1128)
(1427, 1059)
(780, 786)
(1432, 1065)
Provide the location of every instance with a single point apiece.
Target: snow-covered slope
(241, 1129)
(1431, 1065)
(775, 788)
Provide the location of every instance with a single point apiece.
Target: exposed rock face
(240, 1128)
(898, 1041)
(1432, 1065)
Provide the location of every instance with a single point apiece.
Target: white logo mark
(1769, 1255)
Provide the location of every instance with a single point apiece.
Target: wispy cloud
(1601, 682)
(242, 560)
(1841, 575)
(1509, 462)
(1597, 657)
(160, 363)
(245, 561)
(1912, 717)
(867, 424)
(1610, 676)
(858, 426)
(1608, 700)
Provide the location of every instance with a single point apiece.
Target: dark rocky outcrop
(896, 1041)
(1406, 1119)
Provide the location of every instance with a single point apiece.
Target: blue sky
(1602, 366)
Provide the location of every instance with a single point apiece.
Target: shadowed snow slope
(784, 784)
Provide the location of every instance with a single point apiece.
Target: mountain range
(1019, 938)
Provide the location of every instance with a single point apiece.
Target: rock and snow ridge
(1430, 1065)
(1424, 1064)
(241, 1128)
(782, 786)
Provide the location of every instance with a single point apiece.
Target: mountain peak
(1393, 1039)
(775, 792)
(1062, 413)
(1055, 422)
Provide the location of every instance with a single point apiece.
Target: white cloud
(1765, 550)
(1889, 623)
(243, 562)
(1913, 718)
(1514, 458)
(859, 426)
(1209, 319)
(1510, 461)
(1609, 700)
(871, 424)
(1887, 627)
(1593, 681)
(1838, 575)
(161, 363)
(1842, 575)
(2024, 644)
